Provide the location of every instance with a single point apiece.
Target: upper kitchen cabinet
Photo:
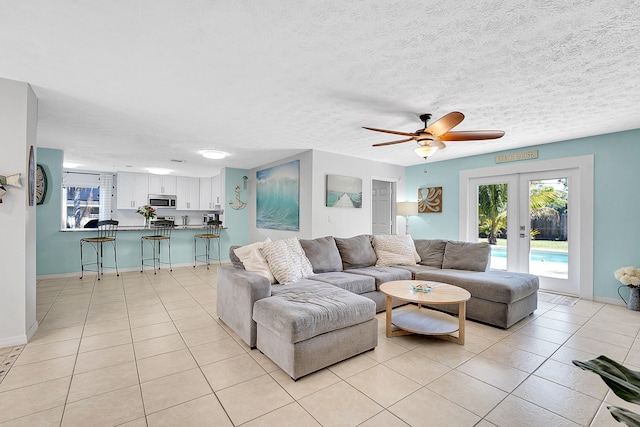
(132, 190)
(162, 184)
(188, 193)
(210, 193)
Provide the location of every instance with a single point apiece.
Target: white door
(527, 220)
(381, 207)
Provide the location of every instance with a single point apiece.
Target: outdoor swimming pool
(535, 255)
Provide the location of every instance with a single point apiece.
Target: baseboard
(13, 341)
(122, 270)
(607, 300)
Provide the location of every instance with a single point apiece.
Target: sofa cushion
(323, 254)
(356, 252)
(466, 256)
(431, 251)
(498, 286)
(234, 258)
(286, 260)
(351, 282)
(303, 311)
(382, 274)
(394, 250)
(253, 260)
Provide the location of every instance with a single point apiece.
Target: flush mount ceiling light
(214, 154)
(159, 171)
(69, 165)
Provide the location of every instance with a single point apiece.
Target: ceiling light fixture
(69, 165)
(159, 171)
(214, 154)
(425, 151)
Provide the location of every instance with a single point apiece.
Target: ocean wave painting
(278, 197)
(344, 192)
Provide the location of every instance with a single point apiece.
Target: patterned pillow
(287, 260)
(253, 260)
(394, 250)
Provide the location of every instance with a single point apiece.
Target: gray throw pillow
(431, 251)
(234, 258)
(466, 256)
(356, 252)
(323, 254)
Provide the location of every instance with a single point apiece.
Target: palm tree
(492, 209)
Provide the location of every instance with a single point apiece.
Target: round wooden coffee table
(421, 320)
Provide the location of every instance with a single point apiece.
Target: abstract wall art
(429, 199)
(278, 197)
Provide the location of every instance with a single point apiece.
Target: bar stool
(213, 232)
(107, 230)
(161, 233)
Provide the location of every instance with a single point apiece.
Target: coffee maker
(213, 215)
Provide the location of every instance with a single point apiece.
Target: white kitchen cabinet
(132, 190)
(210, 193)
(162, 184)
(188, 193)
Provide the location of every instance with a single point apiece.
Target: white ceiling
(136, 83)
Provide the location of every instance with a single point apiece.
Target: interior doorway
(382, 207)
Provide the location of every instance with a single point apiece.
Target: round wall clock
(41, 185)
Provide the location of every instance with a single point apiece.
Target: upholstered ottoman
(307, 327)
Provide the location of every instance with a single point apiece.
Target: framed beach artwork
(344, 192)
(278, 197)
(429, 199)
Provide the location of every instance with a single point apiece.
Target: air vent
(177, 161)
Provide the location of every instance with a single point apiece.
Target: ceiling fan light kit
(430, 138)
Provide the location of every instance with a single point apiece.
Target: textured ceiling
(136, 83)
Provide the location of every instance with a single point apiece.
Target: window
(86, 198)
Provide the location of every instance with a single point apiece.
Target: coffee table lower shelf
(413, 320)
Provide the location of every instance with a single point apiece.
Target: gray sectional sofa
(498, 298)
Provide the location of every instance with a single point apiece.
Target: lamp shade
(407, 208)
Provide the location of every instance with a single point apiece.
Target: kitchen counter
(139, 228)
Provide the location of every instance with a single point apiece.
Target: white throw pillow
(254, 261)
(395, 250)
(287, 260)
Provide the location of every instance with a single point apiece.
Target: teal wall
(236, 220)
(616, 201)
(59, 252)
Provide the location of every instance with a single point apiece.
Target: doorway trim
(393, 201)
(584, 164)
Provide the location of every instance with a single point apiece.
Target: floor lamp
(407, 209)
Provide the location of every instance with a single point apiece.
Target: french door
(533, 222)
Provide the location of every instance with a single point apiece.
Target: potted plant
(148, 212)
(629, 277)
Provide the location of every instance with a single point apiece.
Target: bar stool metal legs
(162, 233)
(106, 234)
(213, 232)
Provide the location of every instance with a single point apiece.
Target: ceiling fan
(430, 139)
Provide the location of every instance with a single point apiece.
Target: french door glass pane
(549, 248)
(492, 221)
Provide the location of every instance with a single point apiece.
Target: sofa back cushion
(323, 254)
(466, 256)
(356, 252)
(431, 251)
(395, 250)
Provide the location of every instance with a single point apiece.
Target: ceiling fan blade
(445, 123)
(471, 135)
(392, 142)
(391, 131)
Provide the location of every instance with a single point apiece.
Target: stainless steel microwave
(162, 201)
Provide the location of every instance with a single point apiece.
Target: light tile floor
(145, 350)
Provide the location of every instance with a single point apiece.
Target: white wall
(18, 124)
(317, 220)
